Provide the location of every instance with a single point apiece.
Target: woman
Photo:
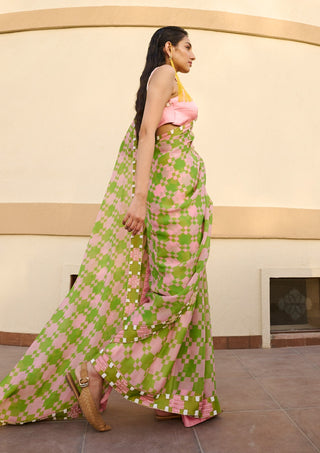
(137, 318)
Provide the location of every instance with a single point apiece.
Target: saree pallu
(139, 307)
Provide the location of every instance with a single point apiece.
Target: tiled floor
(270, 398)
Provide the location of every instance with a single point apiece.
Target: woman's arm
(159, 92)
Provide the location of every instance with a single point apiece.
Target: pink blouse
(177, 112)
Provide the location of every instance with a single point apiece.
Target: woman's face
(182, 55)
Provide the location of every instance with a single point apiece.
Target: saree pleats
(139, 307)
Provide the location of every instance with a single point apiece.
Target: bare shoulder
(162, 75)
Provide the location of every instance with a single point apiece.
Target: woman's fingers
(129, 223)
(125, 219)
(133, 224)
(138, 228)
(133, 220)
(141, 227)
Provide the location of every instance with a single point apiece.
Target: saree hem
(184, 404)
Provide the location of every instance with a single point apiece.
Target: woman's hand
(161, 86)
(134, 219)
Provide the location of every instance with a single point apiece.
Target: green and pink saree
(139, 307)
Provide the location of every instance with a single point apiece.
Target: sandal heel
(85, 400)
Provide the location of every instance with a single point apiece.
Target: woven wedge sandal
(85, 400)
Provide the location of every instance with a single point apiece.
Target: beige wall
(235, 284)
(69, 96)
(35, 275)
(294, 10)
(69, 99)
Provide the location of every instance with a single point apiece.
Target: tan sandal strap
(84, 378)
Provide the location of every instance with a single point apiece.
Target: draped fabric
(139, 307)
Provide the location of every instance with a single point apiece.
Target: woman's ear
(168, 49)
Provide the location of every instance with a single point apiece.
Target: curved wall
(69, 95)
(292, 10)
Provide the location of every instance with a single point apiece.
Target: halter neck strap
(183, 95)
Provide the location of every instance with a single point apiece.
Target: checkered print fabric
(139, 307)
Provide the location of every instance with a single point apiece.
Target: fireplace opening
(73, 278)
(294, 304)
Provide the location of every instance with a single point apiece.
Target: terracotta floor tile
(294, 391)
(308, 421)
(135, 430)
(10, 355)
(311, 354)
(43, 437)
(223, 353)
(265, 352)
(308, 349)
(279, 365)
(314, 359)
(229, 365)
(256, 432)
(242, 393)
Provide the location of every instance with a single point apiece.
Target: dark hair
(155, 57)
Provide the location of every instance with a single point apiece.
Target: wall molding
(17, 338)
(225, 342)
(229, 222)
(146, 16)
(282, 340)
(222, 342)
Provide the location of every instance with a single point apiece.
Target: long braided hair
(155, 57)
